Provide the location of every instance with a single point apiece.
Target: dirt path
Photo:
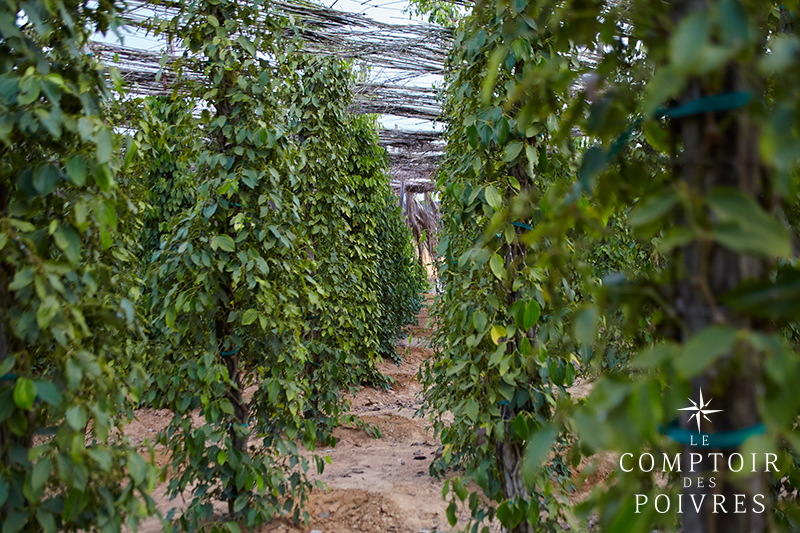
(374, 485)
(382, 485)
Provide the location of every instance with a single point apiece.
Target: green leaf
(48, 392)
(7, 364)
(536, 450)
(503, 130)
(652, 208)
(656, 135)
(249, 317)
(688, 42)
(504, 514)
(533, 511)
(472, 136)
(594, 160)
(226, 406)
(105, 142)
(232, 527)
(783, 52)
(493, 198)
(705, 347)
(3, 491)
(45, 179)
(452, 519)
(496, 264)
(585, 325)
(130, 151)
(734, 26)
(103, 178)
(221, 457)
(665, 84)
(76, 417)
(47, 311)
(224, 242)
(40, 473)
(137, 468)
(497, 333)
(532, 313)
(22, 278)
(69, 242)
(245, 43)
(31, 94)
(46, 520)
(169, 317)
(24, 394)
(673, 238)
(512, 151)
(654, 356)
(15, 521)
(745, 227)
(471, 409)
(479, 321)
(521, 427)
(779, 299)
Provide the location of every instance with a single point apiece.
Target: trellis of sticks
(396, 55)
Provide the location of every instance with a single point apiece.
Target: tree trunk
(719, 149)
(510, 451)
(509, 461)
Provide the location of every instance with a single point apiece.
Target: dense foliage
(574, 126)
(65, 321)
(245, 236)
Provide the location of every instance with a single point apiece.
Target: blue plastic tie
(521, 225)
(8, 377)
(228, 354)
(708, 104)
(723, 439)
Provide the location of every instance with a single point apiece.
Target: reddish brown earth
(373, 485)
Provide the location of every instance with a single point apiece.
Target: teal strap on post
(708, 104)
(521, 225)
(722, 439)
(8, 377)
(228, 354)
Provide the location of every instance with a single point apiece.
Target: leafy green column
(230, 282)
(721, 167)
(502, 356)
(680, 104)
(66, 379)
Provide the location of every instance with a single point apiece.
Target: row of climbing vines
(619, 199)
(232, 253)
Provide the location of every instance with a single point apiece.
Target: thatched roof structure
(401, 54)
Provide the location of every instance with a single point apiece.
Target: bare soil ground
(374, 485)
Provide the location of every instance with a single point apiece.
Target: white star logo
(701, 410)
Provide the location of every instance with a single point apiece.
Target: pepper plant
(66, 378)
(685, 111)
(268, 280)
(228, 286)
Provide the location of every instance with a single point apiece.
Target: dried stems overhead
(395, 54)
